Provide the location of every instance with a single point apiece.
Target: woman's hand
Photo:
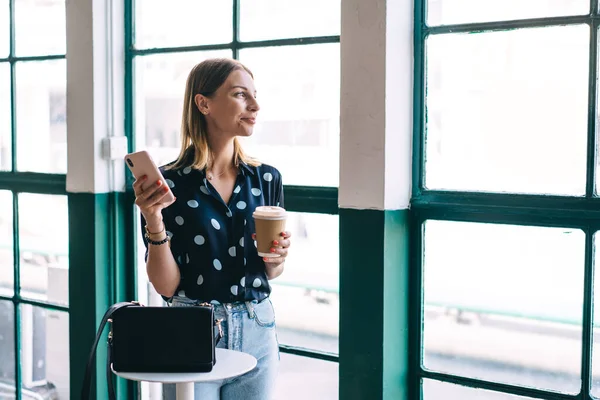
(151, 201)
(274, 265)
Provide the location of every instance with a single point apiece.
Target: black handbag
(156, 339)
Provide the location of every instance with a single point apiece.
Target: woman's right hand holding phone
(151, 201)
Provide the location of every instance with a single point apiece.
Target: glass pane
(5, 118)
(44, 353)
(491, 305)
(445, 12)
(276, 19)
(7, 349)
(434, 390)
(7, 270)
(299, 97)
(40, 27)
(42, 116)
(306, 295)
(4, 30)
(182, 23)
(507, 111)
(296, 371)
(44, 247)
(160, 85)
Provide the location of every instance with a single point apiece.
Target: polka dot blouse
(212, 241)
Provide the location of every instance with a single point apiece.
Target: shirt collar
(246, 168)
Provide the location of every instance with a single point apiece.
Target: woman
(212, 255)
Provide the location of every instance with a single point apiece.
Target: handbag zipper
(217, 321)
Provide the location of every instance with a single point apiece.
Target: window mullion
(418, 99)
(588, 319)
(13, 89)
(236, 30)
(495, 26)
(17, 295)
(592, 102)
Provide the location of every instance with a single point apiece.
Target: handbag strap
(85, 389)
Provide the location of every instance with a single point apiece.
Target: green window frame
(500, 208)
(319, 200)
(17, 182)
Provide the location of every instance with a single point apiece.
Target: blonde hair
(205, 78)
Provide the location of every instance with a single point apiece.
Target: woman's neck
(222, 155)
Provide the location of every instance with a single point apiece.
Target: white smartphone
(140, 163)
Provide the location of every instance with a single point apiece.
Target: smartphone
(140, 163)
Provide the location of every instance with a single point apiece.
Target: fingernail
(275, 242)
(282, 234)
(166, 189)
(158, 183)
(265, 259)
(273, 250)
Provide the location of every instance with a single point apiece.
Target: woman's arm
(163, 271)
(274, 272)
(161, 267)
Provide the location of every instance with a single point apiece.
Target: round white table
(229, 364)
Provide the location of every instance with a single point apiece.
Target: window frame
(500, 208)
(17, 182)
(307, 199)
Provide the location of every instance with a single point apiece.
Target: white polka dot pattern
(217, 264)
(202, 224)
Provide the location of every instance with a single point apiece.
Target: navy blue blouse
(212, 241)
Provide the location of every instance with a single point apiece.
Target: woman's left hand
(280, 247)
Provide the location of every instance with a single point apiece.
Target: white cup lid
(269, 212)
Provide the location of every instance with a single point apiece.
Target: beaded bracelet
(155, 243)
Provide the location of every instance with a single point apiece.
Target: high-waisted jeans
(248, 327)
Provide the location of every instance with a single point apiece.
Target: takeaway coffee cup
(269, 222)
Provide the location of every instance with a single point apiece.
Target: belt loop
(250, 308)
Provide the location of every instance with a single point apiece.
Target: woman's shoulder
(264, 169)
(168, 172)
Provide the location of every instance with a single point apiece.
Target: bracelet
(154, 233)
(155, 243)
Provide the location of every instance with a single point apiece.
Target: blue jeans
(248, 327)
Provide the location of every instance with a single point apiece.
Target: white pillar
(95, 99)
(376, 104)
